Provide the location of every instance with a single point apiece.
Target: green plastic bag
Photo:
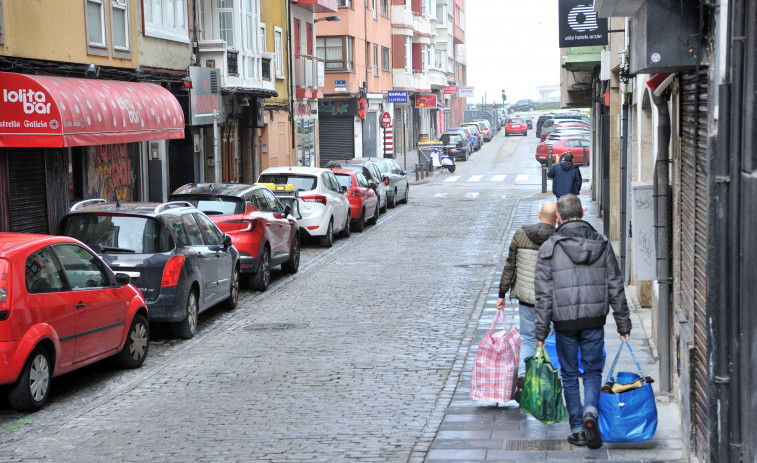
(542, 393)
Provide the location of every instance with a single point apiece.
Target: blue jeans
(591, 342)
(527, 314)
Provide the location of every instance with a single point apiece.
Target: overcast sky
(511, 45)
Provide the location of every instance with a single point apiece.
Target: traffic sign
(386, 120)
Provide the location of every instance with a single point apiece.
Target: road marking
(441, 195)
(522, 178)
(471, 195)
(454, 178)
(499, 178)
(475, 178)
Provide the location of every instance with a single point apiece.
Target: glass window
(167, 19)
(43, 274)
(360, 180)
(193, 233)
(441, 15)
(213, 237)
(118, 234)
(95, 23)
(335, 51)
(303, 182)
(215, 205)
(344, 3)
(385, 8)
(408, 54)
(82, 269)
(344, 180)
(384, 58)
(120, 22)
(375, 60)
(375, 13)
(226, 21)
(279, 50)
(273, 203)
(383, 167)
(260, 202)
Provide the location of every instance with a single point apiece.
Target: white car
(323, 208)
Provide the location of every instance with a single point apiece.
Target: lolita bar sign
(579, 24)
(204, 100)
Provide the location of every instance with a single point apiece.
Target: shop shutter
(336, 139)
(694, 256)
(27, 191)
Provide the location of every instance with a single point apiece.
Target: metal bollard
(428, 165)
(543, 178)
(417, 174)
(586, 157)
(550, 158)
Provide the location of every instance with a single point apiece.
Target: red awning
(54, 112)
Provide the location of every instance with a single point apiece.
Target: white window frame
(386, 64)
(375, 60)
(97, 48)
(408, 54)
(344, 3)
(250, 42)
(424, 57)
(118, 51)
(179, 32)
(441, 20)
(375, 10)
(347, 59)
(278, 49)
(262, 38)
(217, 22)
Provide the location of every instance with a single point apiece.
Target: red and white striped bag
(496, 366)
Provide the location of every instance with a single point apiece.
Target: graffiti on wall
(106, 163)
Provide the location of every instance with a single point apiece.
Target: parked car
(552, 123)
(527, 119)
(566, 132)
(376, 180)
(455, 145)
(61, 308)
(486, 129)
(474, 129)
(398, 188)
(522, 105)
(324, 209)
(364, 203)
(516, 125)
(575, 145)
(474, 140)
(263, 230)
(540, 121)
(175, 255)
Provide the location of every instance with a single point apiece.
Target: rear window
(302, 182)
(383, 167)
(106, 233)
(214, 205)
(516, 121)
(451, 139)
(344, 179)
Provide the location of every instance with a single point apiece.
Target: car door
(49, 300)
(402, 183)
(199, 251)
(336, 198)
(280, 227)
(99, 311)
(222, 255)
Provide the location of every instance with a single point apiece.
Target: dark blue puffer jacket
(566, 179)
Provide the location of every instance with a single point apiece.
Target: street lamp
(329, 18)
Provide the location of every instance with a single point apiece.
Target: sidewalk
(411, 160)
(474, 431)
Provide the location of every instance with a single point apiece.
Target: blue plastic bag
(629, 416)
(549, 345)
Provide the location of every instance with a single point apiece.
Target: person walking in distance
(577, 280)
(566, 177)
(518, 277)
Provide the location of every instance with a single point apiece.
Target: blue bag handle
(617, 356)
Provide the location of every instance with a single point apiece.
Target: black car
(522, 105)
(376, 180)
(174, 254)
(540, 121)
(456, 145)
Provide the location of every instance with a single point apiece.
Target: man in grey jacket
(518, 277)
(577, 281)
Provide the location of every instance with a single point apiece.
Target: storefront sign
(361, 108)
(203, 100)
(466, 92)
(425, 101)
(449, 90)
(340, 85)
(337, 108)
(579, 24)
(397, 96)
(305, 110)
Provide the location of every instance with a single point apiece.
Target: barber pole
(388, 145)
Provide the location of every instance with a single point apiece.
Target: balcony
(437, 78)
(422, 26)
(237, 69)
(582, 58)
(422, 81)
(401, 17)
(317, 6)
(309, 77)
(403, 80)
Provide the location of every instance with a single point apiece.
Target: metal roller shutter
(694, 219)
(336, 139)
(27, 192)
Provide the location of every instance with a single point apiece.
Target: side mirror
(227, 242)
(343, 189)
(122, 279)
(287, 209)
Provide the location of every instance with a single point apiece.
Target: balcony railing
(309, 76)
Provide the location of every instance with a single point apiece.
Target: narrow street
(363, 355)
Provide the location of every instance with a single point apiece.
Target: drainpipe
(624, 186)
(663, 226)
(292, 54)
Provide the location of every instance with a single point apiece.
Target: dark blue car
(474, 139)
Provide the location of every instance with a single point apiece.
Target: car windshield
(115, 233)
(214, 205)
(344, 179)
(302, 182)
(451, 139)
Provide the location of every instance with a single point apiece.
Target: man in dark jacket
(566, 177)
(518, 277)
(577, 281)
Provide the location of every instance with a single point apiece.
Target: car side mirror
(227, 241)
(287, 209)
(343, 189)
(122, 279)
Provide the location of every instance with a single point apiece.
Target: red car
(516, 125)
(261, 228)
(576, 124)
(364, 204)
(61, 308)
(575, 145)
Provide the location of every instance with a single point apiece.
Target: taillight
(4, 289)
(386, 181)
(172, 271)
(315, 199)
(353, 193)
(244, 225)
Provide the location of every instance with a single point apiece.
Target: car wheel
(345, 232)
(383, 209)
(393, 201)
(376, 214)
(328, 239)
(137, 343)
(260, 279)
(188, 327)
(33, 386)
(407, 194)
(360, 224)
(231, 302)
(293, 264)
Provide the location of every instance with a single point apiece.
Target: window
(119, 19)
(278, 45)
(425, 57)
(226, 21)
(96, 34)
(375, 60)
(43, 274)
(384, 58)
(336, 52)
(439, 60)
(83, 270)
(263, 46)
(375, 12)
(167, 19)
(425, 8)
(408, 54)
(212, 236)
(344, 3)
(385, 8)
(441, 15)
(273, 203)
